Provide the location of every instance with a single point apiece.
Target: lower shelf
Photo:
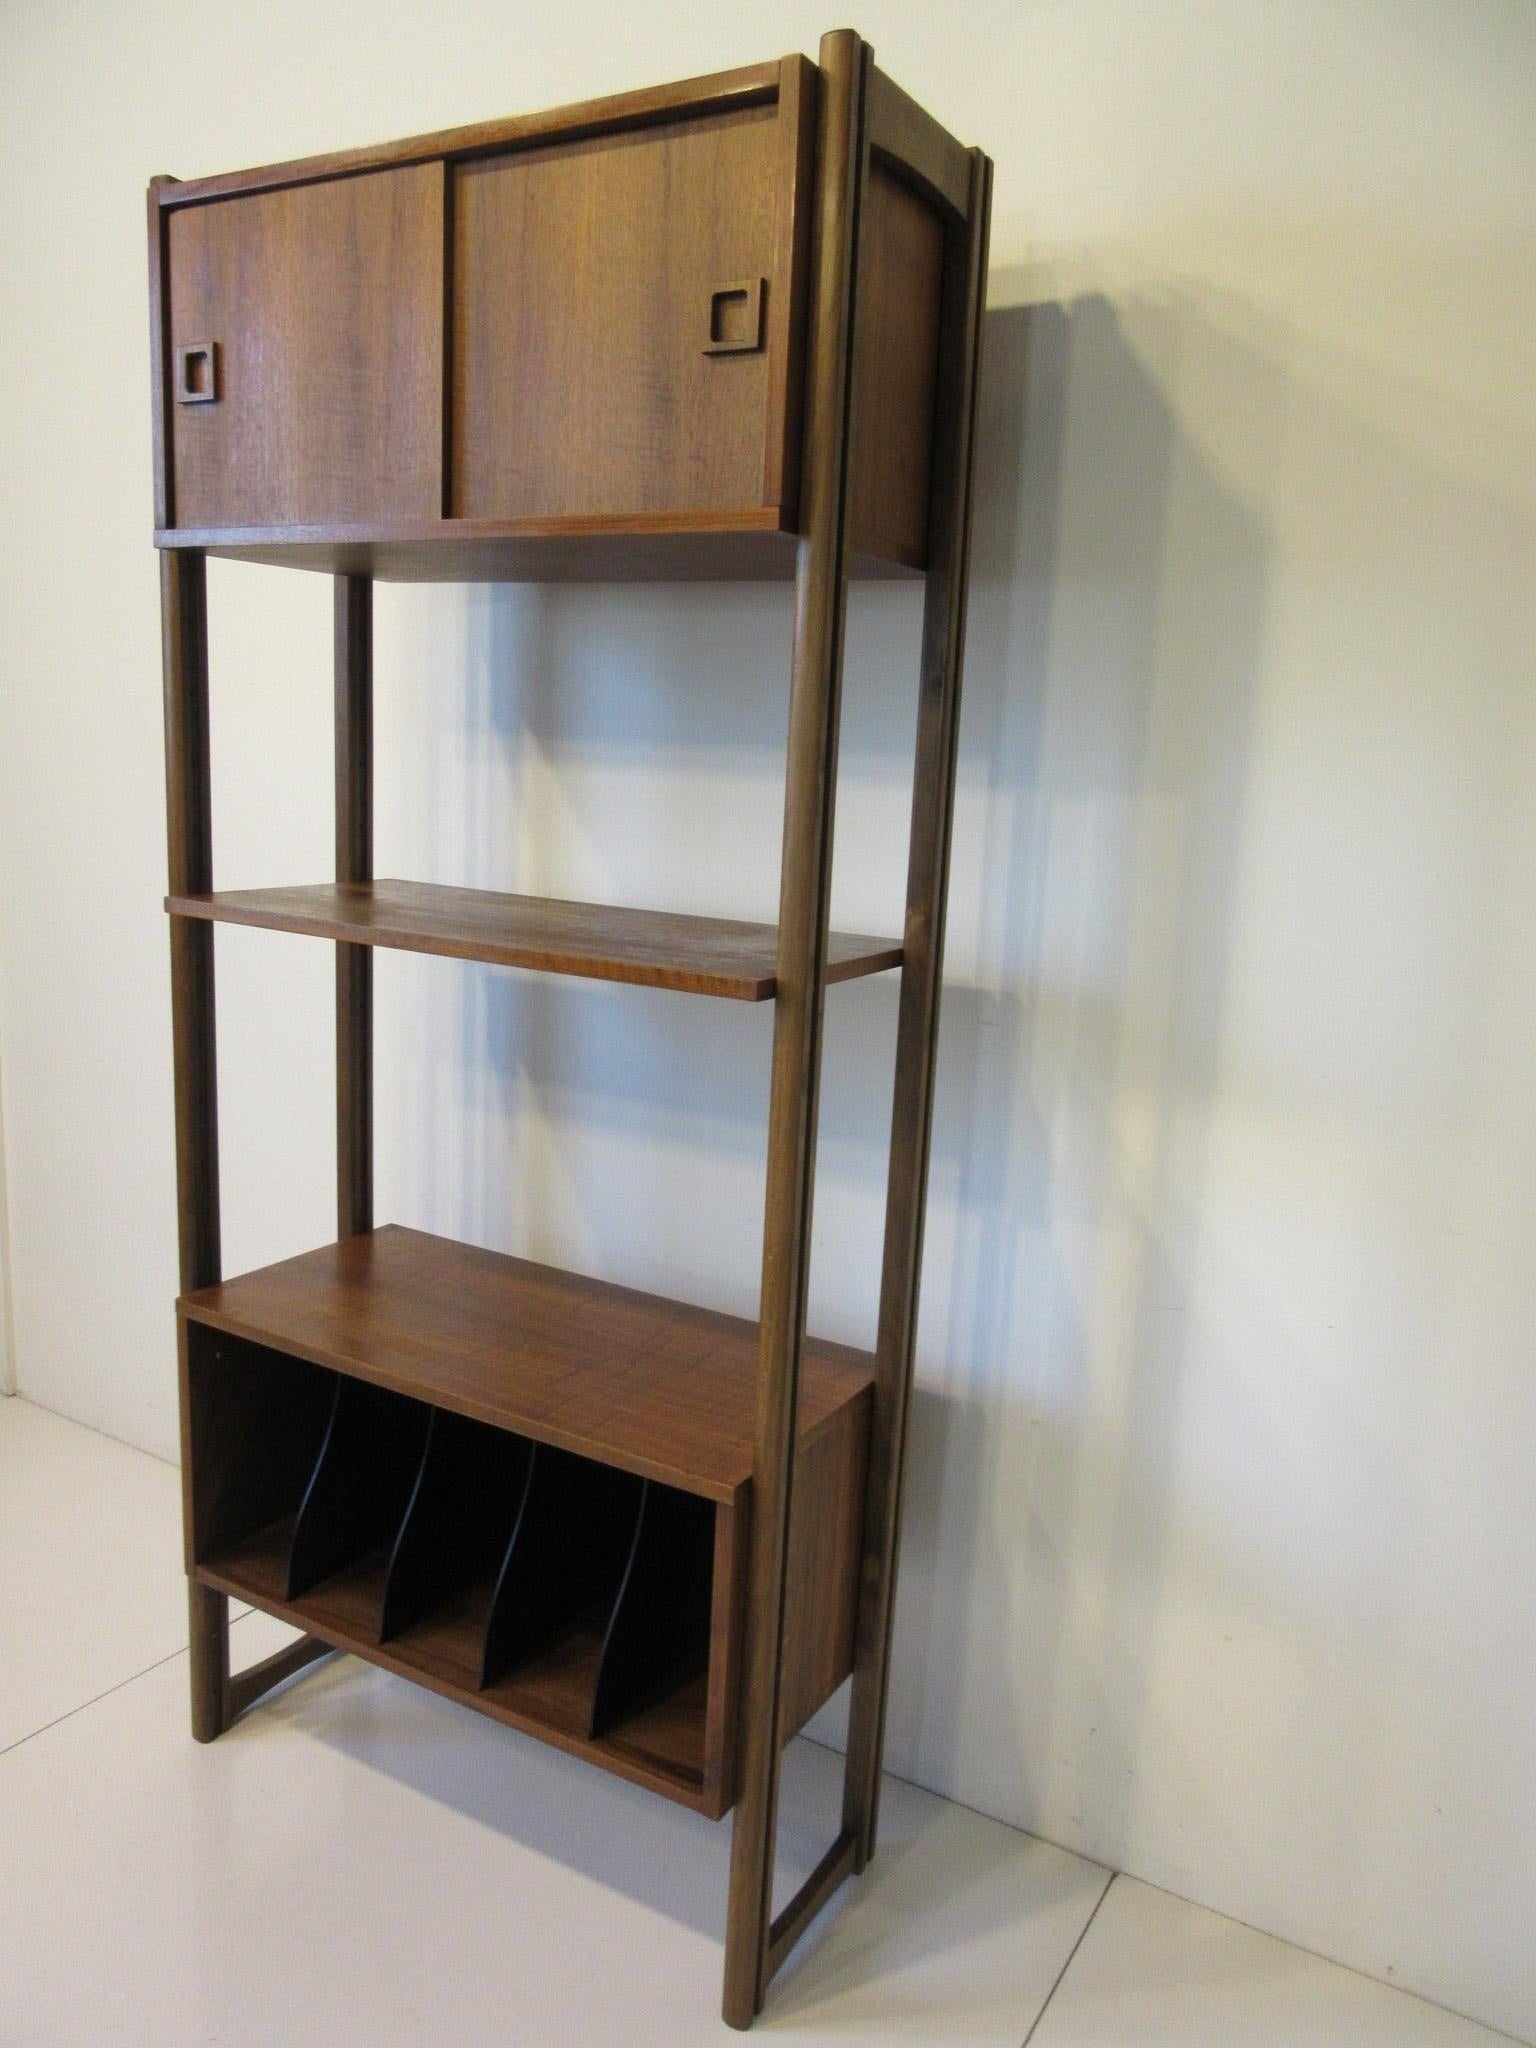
(662, 1746)
(388, 1497)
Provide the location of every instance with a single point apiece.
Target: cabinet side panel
(252, 1424)
(897, 353)
(583, 381)
(728, 1595)
(325, 306)
(822, 1574)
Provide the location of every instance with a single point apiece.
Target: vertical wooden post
(805, 875)
(921, 976)
(189, 838)
(354, 863)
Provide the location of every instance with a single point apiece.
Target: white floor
(359, 1862)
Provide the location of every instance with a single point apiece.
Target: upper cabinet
(574, 342)
(307, 353)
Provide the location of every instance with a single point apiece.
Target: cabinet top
(933, 156)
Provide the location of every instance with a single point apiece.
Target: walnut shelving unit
(725, 329)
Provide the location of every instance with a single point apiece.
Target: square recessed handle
(735, 318)
(197, 373)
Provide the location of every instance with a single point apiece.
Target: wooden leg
(810, 786)
(184, 650)
(184, 653)
(354, 863)
(208, 1616)
(921, 977)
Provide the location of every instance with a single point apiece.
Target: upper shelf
(711, 956)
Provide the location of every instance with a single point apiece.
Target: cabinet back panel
(325, 303)
(583, 277)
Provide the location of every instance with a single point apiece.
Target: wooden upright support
(354, 863)
(860, 113)
(216, 1696)
(189, 839)
(821, 587)
(933, 797)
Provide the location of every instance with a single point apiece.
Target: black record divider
(559, 1544)
(361, 1483)
(467, 1498)
(659, 1630)
(566, 1558)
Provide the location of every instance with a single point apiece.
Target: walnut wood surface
(821, 1572)
(810, 787)
(189, 869)
(933, 796)
(583, 277)
(679, 1736)
(712, 956)
(653, 1386)
(422, 1534)
(160, 357)
(568, 275)
(189, 849)
(728, 1592)
(208, 1660)
(906, 136)
(352, 647)
(901, 258)
(326, 302)
(794, 194)
(790, 1923)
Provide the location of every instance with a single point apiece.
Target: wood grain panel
(805, 876)
(927, 155)
(653, 1386)
(897, 348)
(326, 304)
(933, 803)
(821, 1576)
(581, 308)
(713, 956)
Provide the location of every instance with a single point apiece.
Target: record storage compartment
(586, 1599)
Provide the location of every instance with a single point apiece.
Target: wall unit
(725, 329)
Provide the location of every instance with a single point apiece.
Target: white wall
(1221, 1540)
(7, 1349)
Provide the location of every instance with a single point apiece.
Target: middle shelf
(712, 956)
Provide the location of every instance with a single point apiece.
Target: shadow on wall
(1108, 732)
(1105, 749)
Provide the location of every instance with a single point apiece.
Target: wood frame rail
(861, 120)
